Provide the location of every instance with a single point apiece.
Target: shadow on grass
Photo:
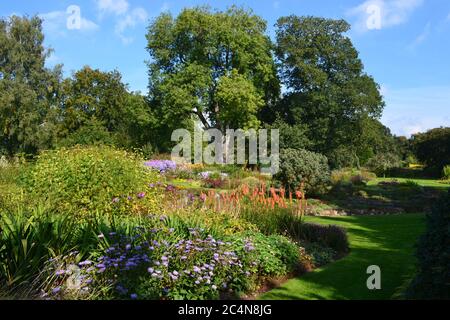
(386, 241)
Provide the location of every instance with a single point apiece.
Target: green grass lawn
(386, 241)
(420, 182)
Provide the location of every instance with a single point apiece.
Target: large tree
(327, 89)
(214, 66)
(28, 90)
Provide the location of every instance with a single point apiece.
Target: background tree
(432, 148)
(28, 90)
(97, 108)
(327, 88)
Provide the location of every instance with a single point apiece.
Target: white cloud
(412, 110)
(125, 16)
(392, 12)
(130, 20)
(117, 7)
(55, 23)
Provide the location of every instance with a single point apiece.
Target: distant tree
(433, 148)
(28, 90)
(97, 108)
(216, 66)
(93, 94)
(327, 89)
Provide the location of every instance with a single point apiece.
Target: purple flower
(141, 195)
(161, 165)
(56, 290)
(60, 272)
(133, 296)
(150, 270)
(85, 263)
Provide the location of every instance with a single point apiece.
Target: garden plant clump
(100, 223)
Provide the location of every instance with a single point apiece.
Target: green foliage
(239, 102)
(273, 255)
(27, 239)
(291, 136)
(351, 176)
(301, 166)
(383, 162)
(28, 90)
(432, 148)
(91, 133)
(328, 89)
(330, 236)
(432, 280)
(446, 173)
(87, 179)
(215, 65)
(320, 255)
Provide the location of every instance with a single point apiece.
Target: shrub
(273, 255)
(299, 167)
(355, 177)
(330, 236)
(89, 179)
(320, 255)
(383, 162)
(446, 173)
(432, 280)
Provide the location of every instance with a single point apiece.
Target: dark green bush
(299, 166)
(433, 252)
(331, 236)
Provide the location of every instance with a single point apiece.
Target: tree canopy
(216, 65)
(327, 88)
(28, 89)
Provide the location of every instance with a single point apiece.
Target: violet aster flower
(161, 165)
(85, 263)
(56, 290)
(141, 195)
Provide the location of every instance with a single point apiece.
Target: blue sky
(404, 44)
